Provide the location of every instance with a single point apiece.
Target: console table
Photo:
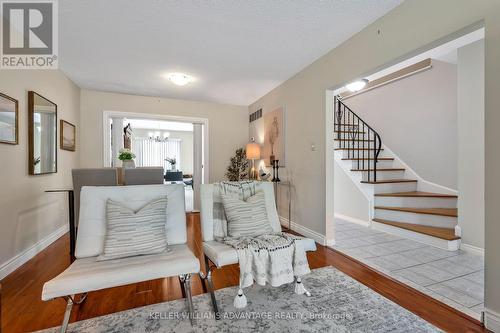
(71, 213)
(288, 186)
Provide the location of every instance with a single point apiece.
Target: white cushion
(246, 218)
(207, 204)
(131, 233)
(88, 274)
(221, 254)
(92, 224)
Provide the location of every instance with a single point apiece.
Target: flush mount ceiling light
(180, 79)
(356, 85)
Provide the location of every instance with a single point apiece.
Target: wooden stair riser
(453, 245)
(417, 202)
(384, 175)
(391, 187)
(422, 219)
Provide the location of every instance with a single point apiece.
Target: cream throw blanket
(275, 258)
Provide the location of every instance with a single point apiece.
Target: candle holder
(276, 177)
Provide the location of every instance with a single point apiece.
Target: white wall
(416, 118)
(186, 146)
(348, 199)
(27, 214)
(471, 143)
(415, 25)
(228, 124)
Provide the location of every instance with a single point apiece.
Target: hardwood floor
(22, 309)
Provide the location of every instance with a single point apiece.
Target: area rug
(338, 304)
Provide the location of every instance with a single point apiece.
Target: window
(150, 152)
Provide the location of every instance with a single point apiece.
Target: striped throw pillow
(246, 218)
(131, 233)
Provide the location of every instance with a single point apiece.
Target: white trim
(400, 77)
(472, 249)
(20, 259)
(492, 320)
(304, 231)
(329, 164)
(352, 220)
(330, 242)
(106, 134)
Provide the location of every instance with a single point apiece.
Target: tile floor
(453, 277)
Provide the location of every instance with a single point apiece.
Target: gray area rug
(338, 304)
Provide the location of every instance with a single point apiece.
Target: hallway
(453, 277)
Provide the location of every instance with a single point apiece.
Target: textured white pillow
(131, 233)
(246, 218)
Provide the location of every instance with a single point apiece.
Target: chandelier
(159, 137)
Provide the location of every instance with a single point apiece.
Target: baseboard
(492, 320)
(23, 257)
(318, 238)
(330, 242)
(472, 249)
(351, 219)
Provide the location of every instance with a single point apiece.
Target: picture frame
(67, 136)
(9, 120)
(274, 147)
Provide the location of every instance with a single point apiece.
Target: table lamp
(253, 153)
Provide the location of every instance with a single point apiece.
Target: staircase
(398, 203)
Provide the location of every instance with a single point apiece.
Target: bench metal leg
(67, 314)
(208, 279)
(69, 306)
(186, 286)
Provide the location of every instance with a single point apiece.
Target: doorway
(421, 219)
(177, 144)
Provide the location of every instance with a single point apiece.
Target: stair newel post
(351, 129)
(338, 115)
(377, 151)
(357, 136)
(369, 163)
(343, 128)
(363, 158)
(347, 140)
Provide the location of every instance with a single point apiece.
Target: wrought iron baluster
(350, 130)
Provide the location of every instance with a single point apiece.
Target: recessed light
(180, 79)
(356, 85)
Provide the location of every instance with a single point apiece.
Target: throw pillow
(246, 218)
(131, 233)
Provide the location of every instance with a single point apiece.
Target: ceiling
(238, 50)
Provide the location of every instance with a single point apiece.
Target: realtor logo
(29, 34)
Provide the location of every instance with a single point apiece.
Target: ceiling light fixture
(180, 79)
(356, 85)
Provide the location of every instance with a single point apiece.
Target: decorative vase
(127, 164)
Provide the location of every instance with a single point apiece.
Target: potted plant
(127, 158)
(172, 162)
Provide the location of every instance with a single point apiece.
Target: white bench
(221, 254)
(86, 274)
